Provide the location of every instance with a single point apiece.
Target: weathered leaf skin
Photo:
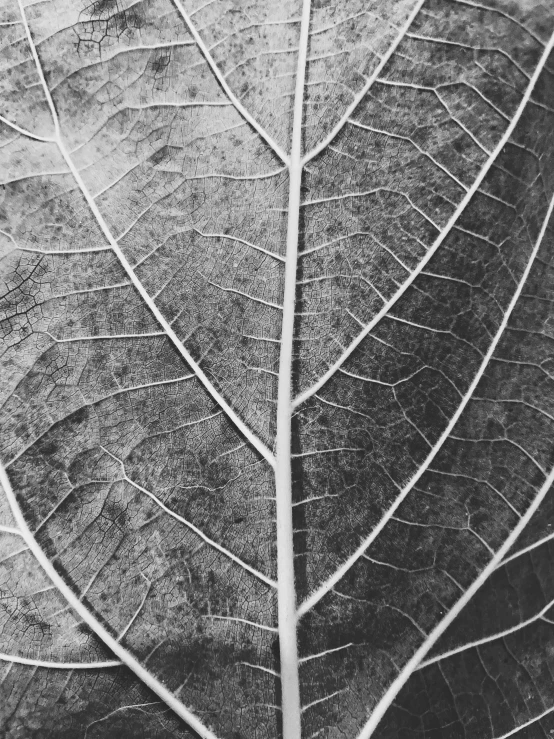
(163, 162)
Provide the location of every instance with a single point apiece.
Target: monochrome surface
(277, 375)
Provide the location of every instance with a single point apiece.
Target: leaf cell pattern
(277, 403)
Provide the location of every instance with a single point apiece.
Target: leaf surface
(56, 675)
(276, 401)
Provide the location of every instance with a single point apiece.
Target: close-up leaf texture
(277, 374)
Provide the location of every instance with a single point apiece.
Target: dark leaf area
(110, 704)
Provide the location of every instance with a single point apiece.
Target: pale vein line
(60, 665)
(245, 60)
(213, 66)
(359, 97)
(191, 526)
(184, 104)
(408, 140)
(437, 632)
(319, 655)
(244, 295)
(446, 42)
(242, 621)
(486, 639)
(321, 700)
(99, 629)
(342, 21)
(526, 724)
(259, 667)
(527, 549)
(4, 183)
(105, 337)
(252, 438)
(61, 252)
(352, 235)
(374, 191)
(240, 241)
(451, 223)
(139, 609)
(10, 530)
(480, 6)
(93, 402)
(238, 178)
(24, 132)
(343, 569)
(288, 646)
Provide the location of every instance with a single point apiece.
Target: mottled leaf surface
(276, 396)
(57, 679)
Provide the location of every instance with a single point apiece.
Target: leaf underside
(205, 204)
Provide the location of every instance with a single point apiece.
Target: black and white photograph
(276, 369)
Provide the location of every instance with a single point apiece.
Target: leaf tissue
(277, 375)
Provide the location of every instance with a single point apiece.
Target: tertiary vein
(306, 394)
(214, 393)
(328, 585)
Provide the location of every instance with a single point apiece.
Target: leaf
(277, 394)
(56, 676)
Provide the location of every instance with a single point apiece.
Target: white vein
(191, 526)
(343, 569)
(487, 639)
(444, 233)
(252, 438)
(53, 665)
(359, 97)
(527, 549)
(437, 632)
(271, 254)
(520, 727)
(283, 470)
(25, 132)
(221, 79)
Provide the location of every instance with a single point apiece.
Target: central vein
(283, 479)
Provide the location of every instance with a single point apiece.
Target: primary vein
(283, 469)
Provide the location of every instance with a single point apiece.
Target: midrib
(290, 690)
